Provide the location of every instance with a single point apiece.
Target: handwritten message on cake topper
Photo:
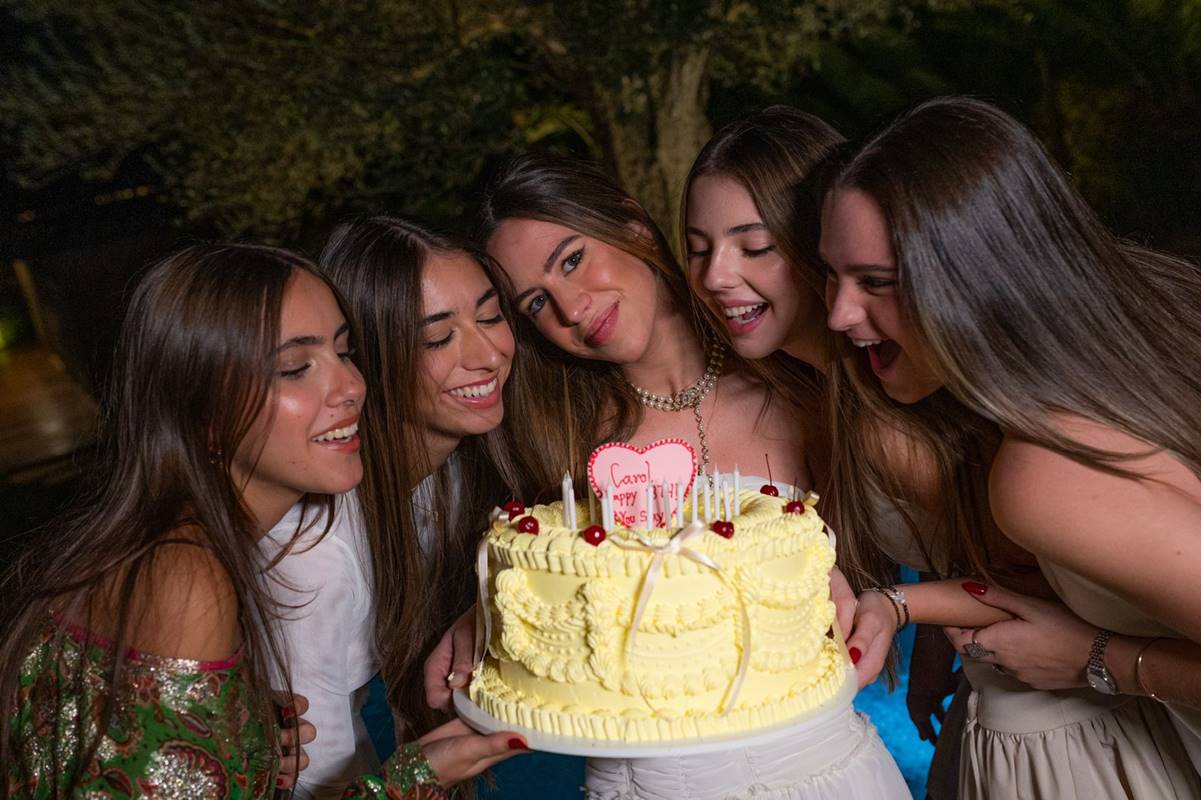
(629, 471)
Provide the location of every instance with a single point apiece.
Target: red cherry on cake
(528, 525)
(794, 507)
(769, 490)
(724, 528)
(594, 535)
(515, 508)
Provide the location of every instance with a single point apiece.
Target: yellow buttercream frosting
(560, 658)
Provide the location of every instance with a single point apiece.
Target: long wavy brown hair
(423, 578)
(194, 366)
(774, 155)
(568, 405)
(1028, 306)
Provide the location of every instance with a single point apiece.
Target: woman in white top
(609, 323)
(373, 586)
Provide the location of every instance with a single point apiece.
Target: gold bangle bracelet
(1138, 665)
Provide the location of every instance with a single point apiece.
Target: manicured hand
(294, 731)
(871, 635)
(1045, 645)
(456, 752)
(451, 657)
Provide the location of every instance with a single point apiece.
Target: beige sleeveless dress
(1021, 743)
(1079, 743)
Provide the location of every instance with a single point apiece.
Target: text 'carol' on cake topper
(643, 487)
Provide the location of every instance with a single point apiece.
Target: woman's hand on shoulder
(449, 665)
(457, 753)
(871, 635)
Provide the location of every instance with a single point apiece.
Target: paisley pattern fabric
(180, 729)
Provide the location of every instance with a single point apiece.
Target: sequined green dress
(181, 729)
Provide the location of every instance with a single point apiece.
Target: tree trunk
(650, 129)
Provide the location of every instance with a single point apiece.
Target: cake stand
(484, 722)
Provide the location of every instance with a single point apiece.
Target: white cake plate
(484, 722)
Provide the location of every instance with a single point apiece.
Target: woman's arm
(1138, 537)
(449, 754)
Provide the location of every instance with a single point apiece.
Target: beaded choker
(689, 397)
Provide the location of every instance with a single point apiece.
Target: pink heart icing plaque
(629, 470)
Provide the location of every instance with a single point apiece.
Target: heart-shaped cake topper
(629, 470)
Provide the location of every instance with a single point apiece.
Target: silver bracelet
(899, 603)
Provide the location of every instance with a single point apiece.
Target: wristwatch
(1098, 676)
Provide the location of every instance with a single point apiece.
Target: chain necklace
(689, 397)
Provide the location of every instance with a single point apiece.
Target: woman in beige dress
(1055, 367)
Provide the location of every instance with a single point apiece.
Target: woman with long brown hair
(751, 224)
(616, 353)
(135, 659)
(981, 289)
(374, 591)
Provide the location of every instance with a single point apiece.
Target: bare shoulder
(1036, 490)
(185, 604)
(909, 461)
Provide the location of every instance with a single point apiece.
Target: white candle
(680, 505)
(737, 491)
(663, 488)
(708, 502)
(696, 489)
(607, 508)
(565, 486)
(648, 499)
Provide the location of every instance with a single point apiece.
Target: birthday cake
(700, 627)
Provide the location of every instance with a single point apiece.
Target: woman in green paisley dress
(129, 662)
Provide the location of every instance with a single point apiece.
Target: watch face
(1102, 682)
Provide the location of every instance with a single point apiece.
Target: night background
(130, 129)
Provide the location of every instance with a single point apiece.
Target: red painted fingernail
(517, 744)
(974, 587)
(287, 712)
(855, 655)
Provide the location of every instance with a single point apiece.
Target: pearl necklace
(689, 397)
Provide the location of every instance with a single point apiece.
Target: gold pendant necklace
(689, 397)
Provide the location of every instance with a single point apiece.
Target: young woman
(592, 276)
(132, 661)
(751, 227)
(375, 590)
(975, 280)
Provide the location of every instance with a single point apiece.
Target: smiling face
(467, 349)
(736, 268)
(861, 293)
(305, 439)
(586, 297)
